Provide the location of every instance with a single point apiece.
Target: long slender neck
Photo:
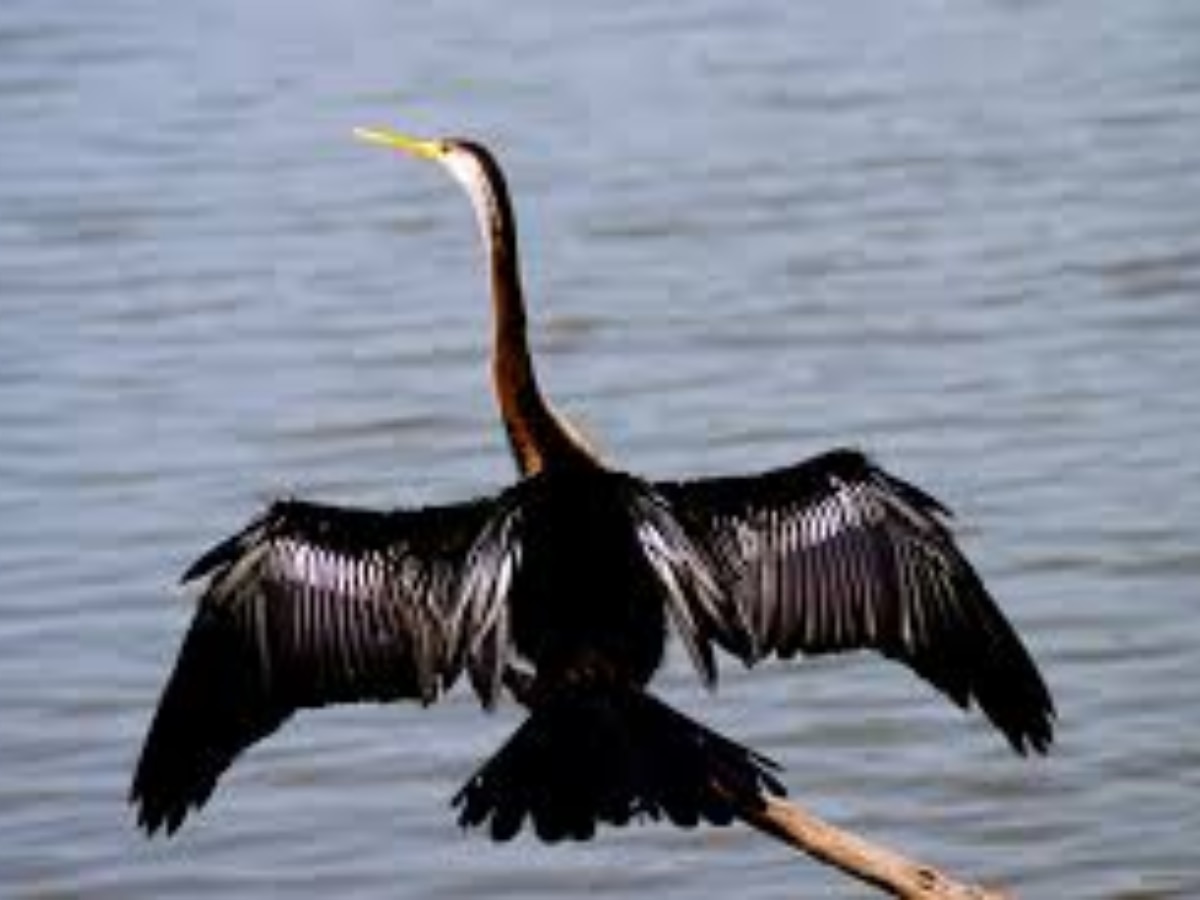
(537, 437)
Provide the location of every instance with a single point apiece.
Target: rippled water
(963, 235)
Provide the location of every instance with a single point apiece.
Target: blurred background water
(963, 235)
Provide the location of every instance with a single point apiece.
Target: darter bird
(560, 591)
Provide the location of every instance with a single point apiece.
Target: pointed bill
(397, 141)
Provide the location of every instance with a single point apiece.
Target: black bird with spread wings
(560, 591)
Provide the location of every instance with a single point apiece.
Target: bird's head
(471, 164)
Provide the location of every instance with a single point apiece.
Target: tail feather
(591, 755)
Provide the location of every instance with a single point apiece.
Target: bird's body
(562, 590)
(614, 627)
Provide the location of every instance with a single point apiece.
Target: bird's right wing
(311, 605)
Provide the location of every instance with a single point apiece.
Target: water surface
(965, 236)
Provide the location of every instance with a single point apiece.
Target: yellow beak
(415, 146)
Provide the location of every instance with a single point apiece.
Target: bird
(559, 592)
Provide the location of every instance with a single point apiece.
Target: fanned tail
(594, 754)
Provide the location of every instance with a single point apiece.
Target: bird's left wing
(311, 605)
(835, 554)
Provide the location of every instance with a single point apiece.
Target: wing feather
(835, 554)
(311, 605)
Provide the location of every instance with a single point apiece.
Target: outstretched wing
(311, 605)
(835, 554)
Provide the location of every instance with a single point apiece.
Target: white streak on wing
(495, 590)
(662, 560)
(318, 569)
(826, 573)
(481, 608)
(659, 554)
(786, 616)
(914, 612)
(857, 573)
(909, 597)
(690, 567)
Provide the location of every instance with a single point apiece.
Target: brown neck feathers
(536, 436)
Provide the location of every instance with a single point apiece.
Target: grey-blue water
(964, 235)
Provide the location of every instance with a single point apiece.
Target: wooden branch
(876, 865)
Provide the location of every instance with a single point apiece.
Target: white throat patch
(468, 172)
